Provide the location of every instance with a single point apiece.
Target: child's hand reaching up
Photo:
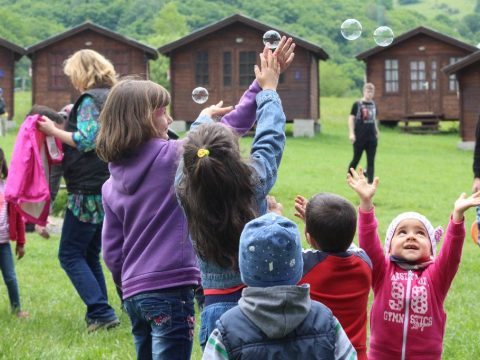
(365, 191)
(274, 206)
(283, 52)
(269, 71)
(300, 207)
(216, 110)
(463, 203)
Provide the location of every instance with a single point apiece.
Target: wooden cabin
(51, 87)
(9, 54)
(409, 83)
(467, 72)
(220, 57)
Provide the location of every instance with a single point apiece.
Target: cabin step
(421, 126)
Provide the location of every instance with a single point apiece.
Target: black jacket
(84, 172)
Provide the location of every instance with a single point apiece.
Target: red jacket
(342, 282)
(16, 225)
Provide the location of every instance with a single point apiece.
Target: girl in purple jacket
(145, 236)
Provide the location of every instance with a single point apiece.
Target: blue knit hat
(270, 252)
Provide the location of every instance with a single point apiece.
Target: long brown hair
(216, 192)
(127, 118)
(3, 165)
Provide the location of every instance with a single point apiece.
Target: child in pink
(410, 283)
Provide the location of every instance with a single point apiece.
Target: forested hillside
(156, 22)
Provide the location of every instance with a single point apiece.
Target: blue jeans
(163, 323)
(79, 255)
(208, 318)
(8, 272)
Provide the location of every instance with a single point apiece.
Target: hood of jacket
(277, 310)
(128, 175)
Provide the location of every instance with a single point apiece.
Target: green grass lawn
(423, 173)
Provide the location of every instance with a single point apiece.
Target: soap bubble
(271, 39)
(383, 36)
(200, 95)
(351, 29)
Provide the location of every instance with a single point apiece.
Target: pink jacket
(416, 296)
(27, 184)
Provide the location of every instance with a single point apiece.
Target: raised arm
(367, 223)
(269, 140)
(447, 263)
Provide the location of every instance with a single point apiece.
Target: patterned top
(4, 233)
(87, 208)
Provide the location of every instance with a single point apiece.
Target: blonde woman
(80, 244)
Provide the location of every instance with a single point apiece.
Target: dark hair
(331, 221)
(127, 119)
(3, 165)
(47, 111)
(217, 193)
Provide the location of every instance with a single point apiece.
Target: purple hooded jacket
(145, 234)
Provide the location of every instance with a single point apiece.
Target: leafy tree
(334, 81)
(168, 25)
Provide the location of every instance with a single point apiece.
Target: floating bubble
(271, 39)
(200, 95)
(351, 29)
(383, 36)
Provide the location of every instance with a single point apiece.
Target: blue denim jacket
(265, 156)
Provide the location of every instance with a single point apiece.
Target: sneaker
(42, 231)
(22, 314)
(94, 325)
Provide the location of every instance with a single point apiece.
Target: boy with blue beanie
(275, 318)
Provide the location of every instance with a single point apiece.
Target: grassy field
(422, 173)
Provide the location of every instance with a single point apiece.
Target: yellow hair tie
(202, 152)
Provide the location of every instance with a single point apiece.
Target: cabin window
(417, 75)
(227, 68)
(433, 75)
(58, 79)
(201, 68)
(452, 79)
(391, 76)
(246, 64)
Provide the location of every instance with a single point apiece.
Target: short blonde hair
(88, 69)
(369, 86)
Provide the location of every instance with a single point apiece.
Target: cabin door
(423, 89)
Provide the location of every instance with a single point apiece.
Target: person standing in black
(363, 130)
(476, 159)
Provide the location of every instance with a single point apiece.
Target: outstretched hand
(300, 207)
(364, 190)
(216, 110)
(463, 203)
(274, 206)
(284, 53)
(269, 71)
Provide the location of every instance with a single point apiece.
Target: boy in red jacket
(339, 273)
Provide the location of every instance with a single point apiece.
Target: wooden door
(419, 99)
(424, 90)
